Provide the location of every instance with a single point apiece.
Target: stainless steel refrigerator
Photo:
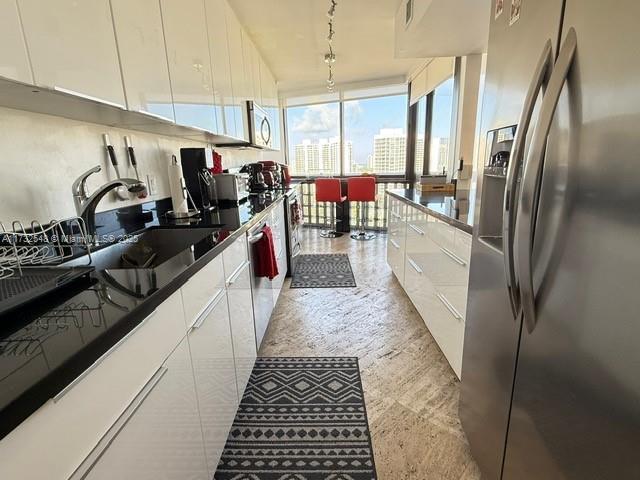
(551, 366)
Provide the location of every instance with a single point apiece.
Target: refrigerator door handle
(530, 192)
(540, 78)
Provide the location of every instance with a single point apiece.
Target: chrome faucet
(86, 205)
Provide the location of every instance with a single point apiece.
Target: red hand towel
(266, 263)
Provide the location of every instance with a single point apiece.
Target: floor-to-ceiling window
(434, 130)
(360, 131)
(441, 141)
(313, 139)
(375, 135)
(349, 133)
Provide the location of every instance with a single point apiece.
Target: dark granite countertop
(458, 213)
(45, 346)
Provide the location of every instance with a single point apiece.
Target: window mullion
(341, 110)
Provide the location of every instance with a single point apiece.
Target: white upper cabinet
(234, 33)
(187, 42)
(255, 65)
(73, 47)
(14, 61)
(143, 56)
(248, 53)
(221, 66)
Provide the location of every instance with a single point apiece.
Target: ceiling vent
(408, 12)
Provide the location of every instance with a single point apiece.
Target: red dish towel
(266, 263)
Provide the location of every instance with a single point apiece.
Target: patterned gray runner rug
(323, 271)
(300, 419)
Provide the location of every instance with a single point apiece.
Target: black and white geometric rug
(323, 271)
(300, 419)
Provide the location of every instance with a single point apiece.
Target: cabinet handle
(414, 265)
(449, 307)
(107, 439)
(207, 310)
(234, 276)
(416, 229)
(255, 238)
(104, 356)
(453, 256)
(392, 242)
(88, 97)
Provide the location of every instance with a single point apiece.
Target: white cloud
(317, 119)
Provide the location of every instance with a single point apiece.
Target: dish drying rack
(39, 245)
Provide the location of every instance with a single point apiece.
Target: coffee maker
(272, 174)
(257, 182)
(196, 170)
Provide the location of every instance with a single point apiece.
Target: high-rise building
(321, 157)
(439, 154)
(419, 154)
(389, 151)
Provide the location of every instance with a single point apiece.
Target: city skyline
(321, 155)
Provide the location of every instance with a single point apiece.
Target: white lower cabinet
(65, 430)
(160, 435)
(160, 403)
(396, 231)
(278, 224)
(242, 324)
(214, 370)
(433, 257)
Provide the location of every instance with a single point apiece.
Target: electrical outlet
(152, 184)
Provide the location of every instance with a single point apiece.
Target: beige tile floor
(410, 390)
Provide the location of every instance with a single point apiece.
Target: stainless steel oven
(294, 248)
(262, 287)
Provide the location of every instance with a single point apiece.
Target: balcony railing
(318, 214)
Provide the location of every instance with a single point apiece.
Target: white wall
(41, 156)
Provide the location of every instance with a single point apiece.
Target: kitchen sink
(150, 249)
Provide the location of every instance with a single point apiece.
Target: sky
(363, 119)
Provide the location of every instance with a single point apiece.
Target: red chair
(362, 190)
(329, 190)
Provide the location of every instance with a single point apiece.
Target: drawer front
(214, 371)
(456, 297)
(442, 233)
(441, 265)
(201, 289)
(242, 326)
(395, 258)
(90, 406)
(235, 255)
(396, 214)
(417, 227)
(278, 282)
(161, 436)
(446, 329)
(462, 245)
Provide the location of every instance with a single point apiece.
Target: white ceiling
(445, 28)
(291, 35)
